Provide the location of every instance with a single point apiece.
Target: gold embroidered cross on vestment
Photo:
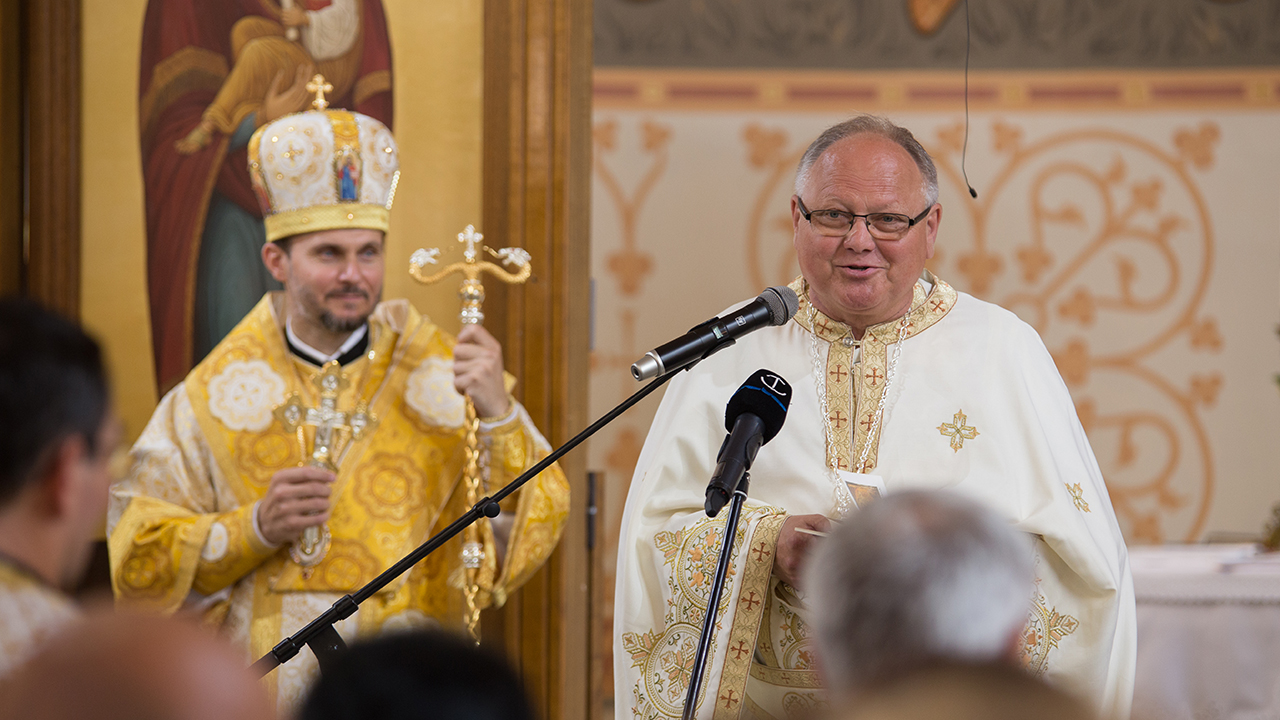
(1077, 497)
(958, 430)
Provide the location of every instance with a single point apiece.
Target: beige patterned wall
(1131, 218)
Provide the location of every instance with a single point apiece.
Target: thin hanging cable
(965, 150)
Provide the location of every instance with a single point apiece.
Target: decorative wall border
(904, 91)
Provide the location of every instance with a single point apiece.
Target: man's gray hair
(875, 125)
(916, 577)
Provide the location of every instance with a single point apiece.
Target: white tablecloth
(1208, 633)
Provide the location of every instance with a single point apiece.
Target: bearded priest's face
(332, 278)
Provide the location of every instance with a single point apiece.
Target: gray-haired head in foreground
(875, 125)
(913, 578)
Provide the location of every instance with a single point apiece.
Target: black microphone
(753, 417)
(774, 306)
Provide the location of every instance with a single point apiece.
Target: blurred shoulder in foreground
(955, 691)
(132, 667)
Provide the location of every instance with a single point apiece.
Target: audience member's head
(417, 674)
(135, 667)
(912, 578)
(953, 691)
(59, 435)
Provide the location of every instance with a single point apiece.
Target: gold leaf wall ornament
(765, 147)
(981, 267)
(630, 266)
(927, 15)
(772, 261)
(1206, 336)
(1198, 145)
(1033, 261)
(1073, 362)
(627, 268)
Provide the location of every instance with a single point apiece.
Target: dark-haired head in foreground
(418, 674)
(55, 449)
(58, 437)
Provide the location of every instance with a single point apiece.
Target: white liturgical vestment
(974, 404)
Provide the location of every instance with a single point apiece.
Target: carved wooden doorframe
(537, 164)
(40, 151)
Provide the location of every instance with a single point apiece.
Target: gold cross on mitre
(330, 426)
(319, 86)
(471, 268)
(472, 294)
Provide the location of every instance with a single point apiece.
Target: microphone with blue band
(753, 417)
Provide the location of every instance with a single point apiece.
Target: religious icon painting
(347, 174)
(212, 72)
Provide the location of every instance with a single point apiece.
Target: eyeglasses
(838, 223)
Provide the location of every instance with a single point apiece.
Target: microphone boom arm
(321, 627)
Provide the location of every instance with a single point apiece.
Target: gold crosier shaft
(472, 293)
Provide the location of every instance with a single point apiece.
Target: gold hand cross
(330, 425)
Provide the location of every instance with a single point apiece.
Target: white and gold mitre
(323, 170)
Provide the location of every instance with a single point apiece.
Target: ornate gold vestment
(181, 524)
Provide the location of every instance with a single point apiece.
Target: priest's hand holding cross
(297, 498)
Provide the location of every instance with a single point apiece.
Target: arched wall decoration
(1114, 271)
(626, 271)
(629, 266)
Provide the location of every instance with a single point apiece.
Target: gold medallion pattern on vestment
(665, 654)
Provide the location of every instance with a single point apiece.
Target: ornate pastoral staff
(472, 294)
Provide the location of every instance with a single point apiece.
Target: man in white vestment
(59, 436)
(920, 578)
(899, 381)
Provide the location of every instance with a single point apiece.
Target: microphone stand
(703, 653)
(320, 635)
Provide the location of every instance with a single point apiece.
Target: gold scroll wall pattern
(1111, 263)
(627, 270)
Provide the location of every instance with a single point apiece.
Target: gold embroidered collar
(926, 310)
(852, 389)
